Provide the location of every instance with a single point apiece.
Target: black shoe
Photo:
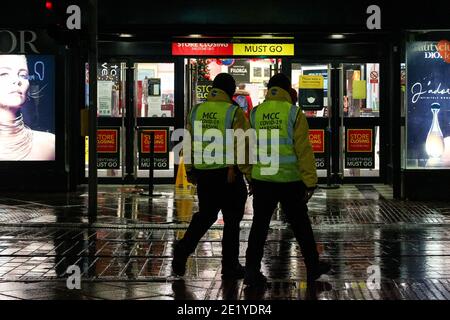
(238, 272)
(255, 279)
(179, 261)
(314, 273)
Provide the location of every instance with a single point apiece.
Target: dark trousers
(266, 196)
(215, 194)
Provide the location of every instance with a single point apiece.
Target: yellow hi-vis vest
(268, 116)
(214, 117)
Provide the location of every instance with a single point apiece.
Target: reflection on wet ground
(126, 252)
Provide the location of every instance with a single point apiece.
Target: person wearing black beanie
(220, 181)
(280, 80)
(291, 180)
(225, 82)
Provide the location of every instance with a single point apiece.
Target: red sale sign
(160, 143)
(359, 140)
(317, 139)
(107, 141)
(201, 49)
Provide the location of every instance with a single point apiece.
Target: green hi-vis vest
(268, 116)
(216, 115)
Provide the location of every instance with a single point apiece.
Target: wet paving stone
(127, 252)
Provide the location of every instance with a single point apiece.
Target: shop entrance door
(134, 98)
(342, 104)
(251, 76)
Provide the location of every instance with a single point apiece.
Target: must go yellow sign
(263, 49)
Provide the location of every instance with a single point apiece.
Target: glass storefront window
(111, 89)
(165, 162)
(251, 76)
(361, 90)
(154, 89)
(111, 103)
(428, 105)
(370, 161)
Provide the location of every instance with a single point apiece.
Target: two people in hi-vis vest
(221, 185)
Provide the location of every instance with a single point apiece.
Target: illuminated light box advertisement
(108, 148)
(161, 148)
(27, 108)
(428, 103)
(359, 148)
(317, 140)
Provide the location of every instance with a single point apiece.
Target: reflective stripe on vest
(270, 115)
(210, 154)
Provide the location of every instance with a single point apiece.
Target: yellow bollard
(182, 185)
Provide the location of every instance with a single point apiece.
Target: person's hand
(231, 177)
(308, 194)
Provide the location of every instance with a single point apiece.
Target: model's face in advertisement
(14, 81)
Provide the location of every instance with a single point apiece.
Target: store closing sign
(317, 140)
(232, 49)
(359, 151)
(316, 137)
(202, 90)
(108, 140)
(160, 147)
(201, 49)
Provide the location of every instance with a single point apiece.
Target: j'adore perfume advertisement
(428, 102)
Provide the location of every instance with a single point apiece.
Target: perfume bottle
(435, 141)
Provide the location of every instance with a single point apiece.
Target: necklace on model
(15, 139)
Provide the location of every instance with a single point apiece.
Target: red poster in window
(359, 140)
(107, 141)
(317, 139)
(160, 143)
(201, 49)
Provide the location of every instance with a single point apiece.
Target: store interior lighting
(337, 36)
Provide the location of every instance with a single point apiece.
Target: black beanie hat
(225, 82)
(280, 80)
